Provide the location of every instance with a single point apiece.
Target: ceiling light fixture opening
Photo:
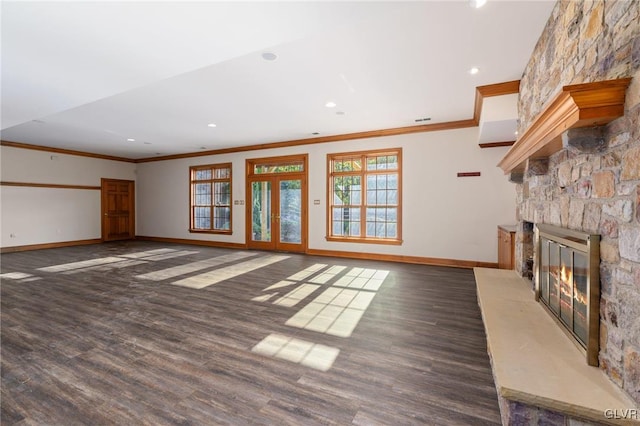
(477, 4)
(212, 125)
(330, 104)
(419, 120)
(269, 56)
(147, 143)
(131, 140)
(474, 70)
(339, 112)
(315, 133)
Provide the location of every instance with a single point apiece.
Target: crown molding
(64, 151)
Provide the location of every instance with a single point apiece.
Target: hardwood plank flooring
(120, 343)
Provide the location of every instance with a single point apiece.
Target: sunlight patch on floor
(326, 276)
(307, 272)
(107, 267)
(213, 277)
(15, 275)
(119, 261)
(309, 354)
(165, 256)
(367, 279)
(337, 310)
(296, 295)
(264, 297)
(27, 280)
(188, 268)
(280, 284)
(82, 264)
(147, 253)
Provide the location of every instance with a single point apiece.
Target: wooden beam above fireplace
(579, 105)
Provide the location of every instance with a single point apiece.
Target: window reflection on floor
(314, 355)
(336, 311)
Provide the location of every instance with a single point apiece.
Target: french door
(277, 203)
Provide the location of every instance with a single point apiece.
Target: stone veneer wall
(597, 192)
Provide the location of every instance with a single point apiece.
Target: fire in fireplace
(568, 282)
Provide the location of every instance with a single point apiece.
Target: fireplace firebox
(568, 283)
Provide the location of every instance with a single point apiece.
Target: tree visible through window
(365, 196)
(210, 198)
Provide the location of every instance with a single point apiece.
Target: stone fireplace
(590, 180)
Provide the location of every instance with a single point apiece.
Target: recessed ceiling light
(203, 147)
(474, 70)
(269, 56)
(477, 4)
(515, 133)
(212, 125)
(315, 133)
(330, 104)
(147, 143)
(131, 140)
(418, 120)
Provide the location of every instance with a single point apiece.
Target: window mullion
(363, 201)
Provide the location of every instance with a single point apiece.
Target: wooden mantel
(579, 105)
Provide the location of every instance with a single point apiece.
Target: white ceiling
(88, 76)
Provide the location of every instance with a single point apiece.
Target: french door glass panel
(261, 211)
(290, 216)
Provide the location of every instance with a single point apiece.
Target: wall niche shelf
(578, 105)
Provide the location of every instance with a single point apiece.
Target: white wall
(47, 215)
(443, 216)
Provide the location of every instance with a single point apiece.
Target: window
(365, 196)
(210, 198)
(295, 167)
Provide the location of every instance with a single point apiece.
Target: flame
(566, 277)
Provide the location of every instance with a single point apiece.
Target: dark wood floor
(99, 345)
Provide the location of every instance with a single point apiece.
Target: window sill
(365, 240)
(210, 231)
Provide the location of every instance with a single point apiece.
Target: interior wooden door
(118, 209)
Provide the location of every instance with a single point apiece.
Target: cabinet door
(505, 254)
